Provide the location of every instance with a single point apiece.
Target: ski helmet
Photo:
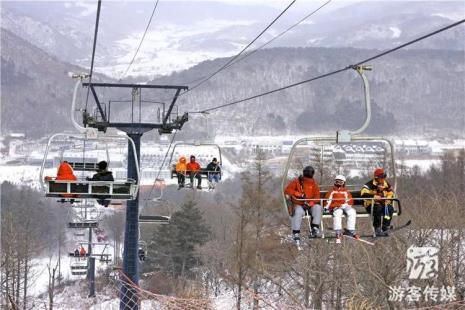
(308, 172)
(340, 177)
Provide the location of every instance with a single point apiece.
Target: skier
(214, 173)
(102, 175)
(193, 168)
(339, 201)
(181, 168)
(377, 193)
(76, 253)
(65, 173)
(304, 187)
(82, 252)
(141, 254)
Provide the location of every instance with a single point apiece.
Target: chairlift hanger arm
(94, 93)
(171, 106)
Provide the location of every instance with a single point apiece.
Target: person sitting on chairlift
(141, 254)
(181, 168)
(102, 175)
(339, 201)
(82, 252)
(65, 173)
(76, 253)
(377, 193)
(304, 194)
(214, 173)
(193, 169)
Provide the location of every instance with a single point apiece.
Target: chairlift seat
(155, 219)
(203, 172)
(72, 254)
(359, 205)
(100, 255)
(81, 225)
(122, 190)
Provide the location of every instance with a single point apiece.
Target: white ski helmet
(340, 177)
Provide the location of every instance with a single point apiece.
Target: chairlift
(159, 212)
(343, 154)
(187, 149)
(125, 189)
(84, 216)
(78, 268)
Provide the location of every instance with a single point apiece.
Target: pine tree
(174, 246)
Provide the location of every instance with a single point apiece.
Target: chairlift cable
(94, 47)
(141, 41)
(335, 71)
(270, 41)
(234, 58)
(160, 169)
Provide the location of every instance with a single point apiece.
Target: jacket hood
(182, 159)
(65, 169)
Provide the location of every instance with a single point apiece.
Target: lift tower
(165, 122)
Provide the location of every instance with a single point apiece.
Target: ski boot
(338, 236)
(351, 233)
(315, 233)
(296, 238)
(380, 233)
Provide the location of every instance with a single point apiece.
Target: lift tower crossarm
(163, 127)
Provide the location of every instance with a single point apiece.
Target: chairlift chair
(83, 189)
(162, 216)
(78, 268)
(84, 217)
(342, 157)
(202, 160)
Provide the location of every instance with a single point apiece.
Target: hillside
(408, 87)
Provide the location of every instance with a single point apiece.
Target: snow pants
(296, 220)
(350, 213)
(382, 215)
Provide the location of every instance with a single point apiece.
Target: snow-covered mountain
(184, 33)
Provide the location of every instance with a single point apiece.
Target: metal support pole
(91, 274)
(129, 298)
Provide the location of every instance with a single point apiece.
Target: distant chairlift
(154, 213)
(201, 158)
(328, 158)
(84, 216)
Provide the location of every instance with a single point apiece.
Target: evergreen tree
(174, 245)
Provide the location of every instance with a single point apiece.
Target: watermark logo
(422, 263)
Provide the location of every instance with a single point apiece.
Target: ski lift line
(335, 71)
(240, 53)
(281, 34)
(270, 41)
(410, 42)
(160, 169)
(141, 41)
(94, 47)
(272, 91)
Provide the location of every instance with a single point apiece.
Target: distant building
(413, 147)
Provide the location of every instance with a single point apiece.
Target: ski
(401, 226)
(359, 239)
